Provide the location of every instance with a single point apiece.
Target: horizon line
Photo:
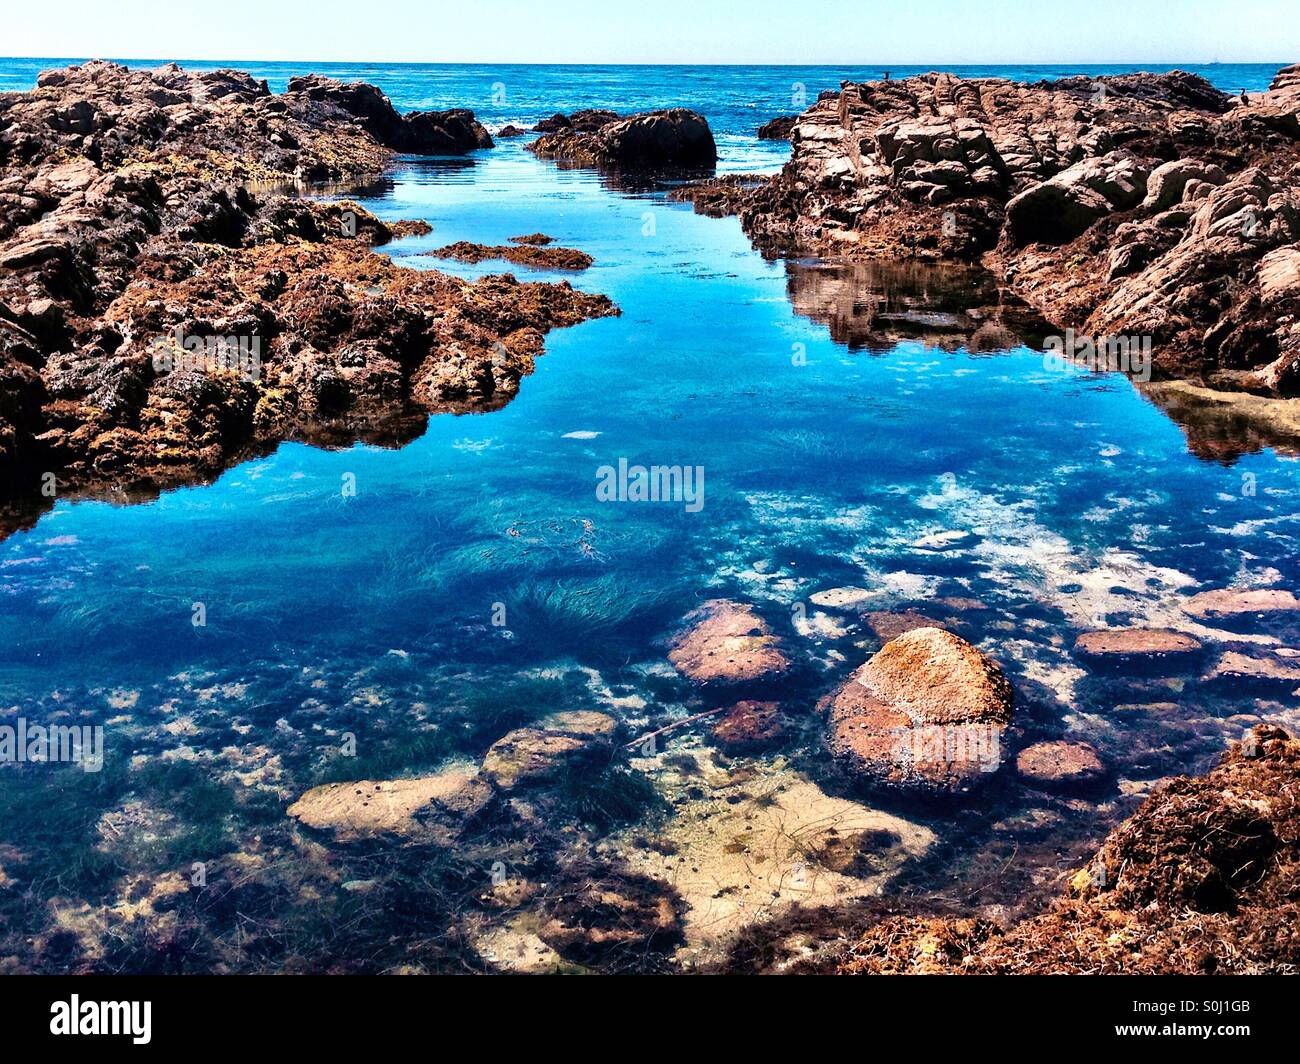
(578, 63)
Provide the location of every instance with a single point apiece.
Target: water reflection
(873, 306)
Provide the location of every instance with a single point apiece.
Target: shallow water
(474, 579)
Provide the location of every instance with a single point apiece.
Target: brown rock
(118, 250)
(369, 808)
(890, 624)
(778, 128)
(1132, 646)
(1201, 879)
(557, 744)
(926, 713)
(1114, 206)
(1234, 666)
(1060, 765)
(546, 258)
(727, 642)
(749, 726)
(1230, 603)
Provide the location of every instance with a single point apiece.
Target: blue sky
(866, 32)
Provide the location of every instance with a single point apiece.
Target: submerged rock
(842, 598)
(1281, 668)
(743, 848)
(749, 726)
(1060, 765)
(370, 808)
(890, 624)
(1229, 604)
(557, 744)
(927, 713)
(1136, 646)
(727, 642)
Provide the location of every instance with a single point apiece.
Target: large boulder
(926, 714)
(1059, 209)
(671, 139)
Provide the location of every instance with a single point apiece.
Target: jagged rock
(672, 139)
(1202, 879)
(727, 642)
(927, 713)
(1057, 210)
(1147, 205)
(778, 129)
(453, 132)
(160, 320)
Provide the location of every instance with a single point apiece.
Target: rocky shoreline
(169, 305)
(1138, 205)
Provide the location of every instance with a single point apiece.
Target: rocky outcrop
(453, 132)
(727, 642)
(167, 306)
(521, 254)
(671, 139)
(926, 714)
(1202, 879)
(1145, 204)
(777, 129)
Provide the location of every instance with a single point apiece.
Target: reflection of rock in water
(875, 305)
(1222, 426)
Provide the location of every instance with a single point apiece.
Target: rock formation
(672, 139)
(1202, 879)
(1137, 205)
(167, 306)
(925, 714)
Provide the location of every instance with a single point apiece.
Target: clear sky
(862, 32)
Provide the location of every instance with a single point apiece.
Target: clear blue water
(376, 611)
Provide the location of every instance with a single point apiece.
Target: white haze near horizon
(853, 32)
